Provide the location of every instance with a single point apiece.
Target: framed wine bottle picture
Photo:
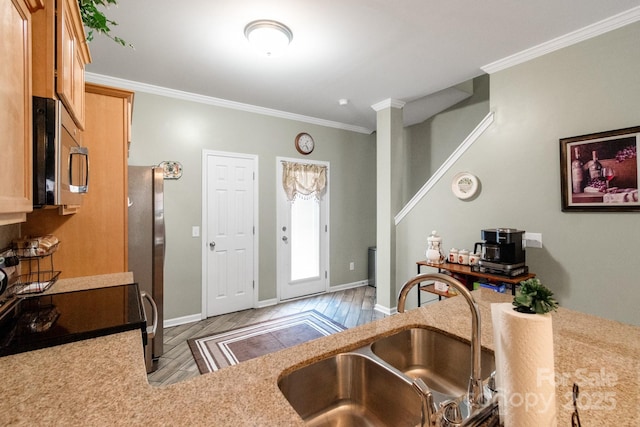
(599, 171)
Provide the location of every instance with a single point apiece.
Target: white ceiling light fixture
(268, 37)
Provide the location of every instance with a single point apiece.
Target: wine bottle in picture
(577, 176)
(595, 169)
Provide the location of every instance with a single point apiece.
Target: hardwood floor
(350, 308)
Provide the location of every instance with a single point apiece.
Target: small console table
(467, 276)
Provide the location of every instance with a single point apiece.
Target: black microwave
(60, 162)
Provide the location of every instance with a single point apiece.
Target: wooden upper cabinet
(15, 105)
(60, 53)
(73, 54)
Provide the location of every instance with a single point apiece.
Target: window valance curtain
(303, 180)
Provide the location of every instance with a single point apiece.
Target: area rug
(222, 349)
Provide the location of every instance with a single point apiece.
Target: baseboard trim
(385, 310)
(346, 286)
(267, 303)
(168, 323)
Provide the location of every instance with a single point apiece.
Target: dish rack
(40, 274)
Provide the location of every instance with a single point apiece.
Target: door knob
(212, 245)
(284, 238)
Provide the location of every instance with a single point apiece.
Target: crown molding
(218, 102)
(388, 103)
(614, 22)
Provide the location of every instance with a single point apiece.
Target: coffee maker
(502, 252)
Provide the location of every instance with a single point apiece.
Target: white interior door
(228, 232)
(303, 241)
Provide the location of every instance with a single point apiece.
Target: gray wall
(171, 129)
(590, 260)
(431, 142)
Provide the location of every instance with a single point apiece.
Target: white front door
(229, 219)
(303, 241)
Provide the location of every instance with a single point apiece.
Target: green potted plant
(534, 298)
(96, 21)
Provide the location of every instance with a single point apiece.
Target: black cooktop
(48, 320)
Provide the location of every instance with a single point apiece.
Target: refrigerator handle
(151, 330)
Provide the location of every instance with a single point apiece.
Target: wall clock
(304, 143)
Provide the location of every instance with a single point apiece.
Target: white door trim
(205, 225)
(327, 200)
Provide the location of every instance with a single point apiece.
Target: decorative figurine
(434, 255)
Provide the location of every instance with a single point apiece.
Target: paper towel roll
(524, 367)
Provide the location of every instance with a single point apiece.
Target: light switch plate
(195, 231)
(533, 240)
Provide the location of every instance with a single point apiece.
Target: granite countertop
(91, 282)
(103, 381)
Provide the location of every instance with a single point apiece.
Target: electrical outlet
(532, 240)
(352, 266)
(195, 231)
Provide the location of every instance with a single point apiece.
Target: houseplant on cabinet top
(95, 20)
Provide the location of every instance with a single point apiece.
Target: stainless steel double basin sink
(372, 385)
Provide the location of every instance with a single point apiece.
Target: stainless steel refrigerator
(147, 245)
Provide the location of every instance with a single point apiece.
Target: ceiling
(366, 51)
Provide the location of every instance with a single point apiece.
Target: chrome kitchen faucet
(475, 390)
